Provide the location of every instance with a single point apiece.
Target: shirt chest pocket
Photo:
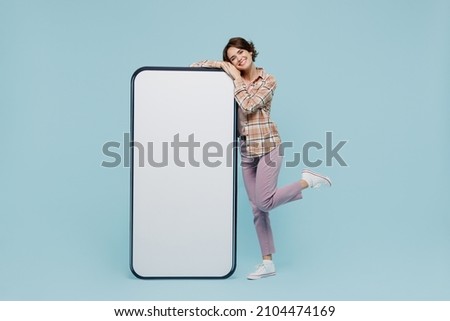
(254, 87)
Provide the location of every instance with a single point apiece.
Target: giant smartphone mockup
(183, 173)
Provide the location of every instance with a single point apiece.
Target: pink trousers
(260, 178)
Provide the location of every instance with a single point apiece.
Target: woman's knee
(264, 204)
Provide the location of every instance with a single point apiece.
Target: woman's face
(240, 58)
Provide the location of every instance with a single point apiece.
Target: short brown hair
(239, 43)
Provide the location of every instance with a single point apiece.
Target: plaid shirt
(254, 100)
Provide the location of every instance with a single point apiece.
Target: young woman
(259, 144)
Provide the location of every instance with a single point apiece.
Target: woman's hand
(230, 70)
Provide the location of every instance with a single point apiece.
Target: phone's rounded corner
(135, 273)
(136, 73)
(231, 272)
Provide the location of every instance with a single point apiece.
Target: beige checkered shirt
(254, 101)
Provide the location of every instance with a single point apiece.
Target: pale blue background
(375, 73)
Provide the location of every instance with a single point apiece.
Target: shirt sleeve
(206, 64)
(249, 102)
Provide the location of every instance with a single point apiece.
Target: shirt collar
(259, 74)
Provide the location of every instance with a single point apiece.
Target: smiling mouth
(242, 62)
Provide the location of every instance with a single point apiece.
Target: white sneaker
(315, 180)
(263, 270)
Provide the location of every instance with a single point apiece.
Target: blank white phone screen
(183, 173)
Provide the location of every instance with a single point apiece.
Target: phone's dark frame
(235, 147)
